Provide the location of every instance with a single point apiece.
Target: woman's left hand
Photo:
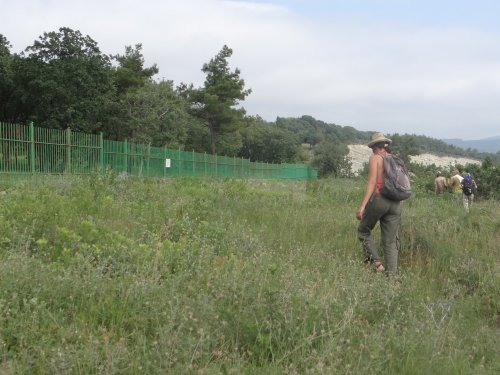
(359, 213)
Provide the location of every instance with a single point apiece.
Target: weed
(103, 274)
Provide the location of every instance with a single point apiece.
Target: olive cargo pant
(389, 214)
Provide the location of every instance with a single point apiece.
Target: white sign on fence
(167, 163)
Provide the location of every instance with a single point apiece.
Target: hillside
(483, 145)
(360, 153)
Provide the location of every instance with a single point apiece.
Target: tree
(305, 128)
(404, 146)
(134, 94)
(130, 73)
(214, 103)
(332, 159)
(67, 81)
(266, 142)
(157, 115)
(6, 79)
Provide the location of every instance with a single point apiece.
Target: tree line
(64, 80)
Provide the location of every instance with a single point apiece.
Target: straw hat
(378, 137)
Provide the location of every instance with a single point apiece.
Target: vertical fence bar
(125, 156)
(165, 161)
(194, 169)
(101, 152)
(32, 147)
(206, 162)
(148, 156)
(179, 168)
(68, 151)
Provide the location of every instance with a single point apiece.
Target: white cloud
(256, 8)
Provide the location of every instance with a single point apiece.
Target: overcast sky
(428, 67)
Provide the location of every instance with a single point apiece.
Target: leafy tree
(198, 136)
(266, 142)
(404, 146)
(67, 80)
(305, 128)
(131, 74)
(214, 103)
(5, 46)
(230, 143)
(132, 82)
(313, 131)
(6, 78)
(487, 177)
(332, 159)
(157, 116)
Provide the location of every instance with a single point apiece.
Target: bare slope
(360, 153)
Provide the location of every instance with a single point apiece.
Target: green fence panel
(50, 150)
(114, 156)
(28, 149)
(14, 148)
(84, 153)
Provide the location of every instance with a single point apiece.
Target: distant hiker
(469, 188)
(456, 182)
(440, 183)
(375, 207)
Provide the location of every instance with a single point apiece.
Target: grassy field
(101, 275)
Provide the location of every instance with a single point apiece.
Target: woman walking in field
(374, 208)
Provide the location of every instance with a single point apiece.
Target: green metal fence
(26, 149)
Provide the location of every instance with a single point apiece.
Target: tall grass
(102, 275)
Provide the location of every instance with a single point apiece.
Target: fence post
(216, 167)
(68, 151)
(101, 152)
(165, 161)
(194, 168)
(125, 156)
(148, 155)
(205, 162)
(32, 147)
(179, 157)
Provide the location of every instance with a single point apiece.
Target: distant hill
(485, 145)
